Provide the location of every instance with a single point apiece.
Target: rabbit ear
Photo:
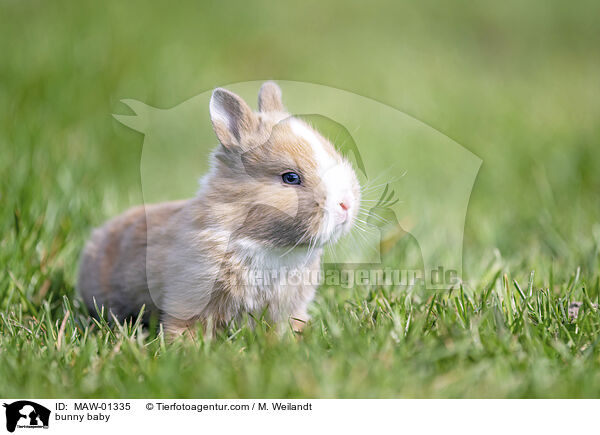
(231, 117)
(269, 98)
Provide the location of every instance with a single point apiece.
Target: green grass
(515, 83)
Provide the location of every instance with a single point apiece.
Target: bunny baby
(276, 194)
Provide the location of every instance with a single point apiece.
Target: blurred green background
(517, 83)
(514, 82)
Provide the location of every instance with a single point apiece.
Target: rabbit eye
(291, 178)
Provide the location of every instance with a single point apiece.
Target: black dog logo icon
(26, 414)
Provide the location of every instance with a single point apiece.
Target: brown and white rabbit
(276, 193)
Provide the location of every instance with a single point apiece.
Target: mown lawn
(515, 83)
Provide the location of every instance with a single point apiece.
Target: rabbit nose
(346, 203)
